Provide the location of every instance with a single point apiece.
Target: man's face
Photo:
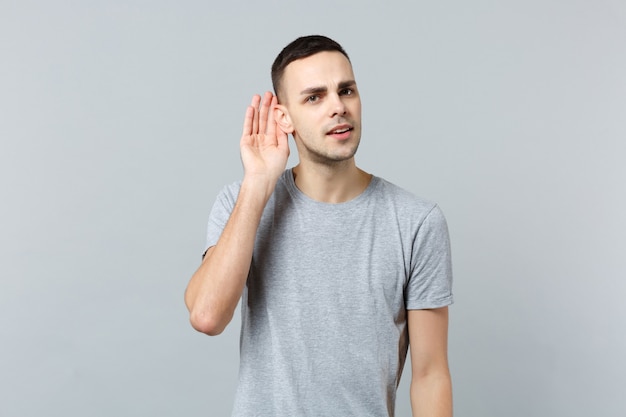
(323, 107)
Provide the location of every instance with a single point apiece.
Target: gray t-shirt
(324, 310)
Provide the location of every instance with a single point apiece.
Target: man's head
(302, 47)
(319, 102)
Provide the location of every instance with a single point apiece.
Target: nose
(337, 106)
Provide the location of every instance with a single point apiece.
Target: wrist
(257, 188)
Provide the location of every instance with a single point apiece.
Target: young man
(338, 270)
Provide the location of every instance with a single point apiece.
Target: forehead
(324, 69)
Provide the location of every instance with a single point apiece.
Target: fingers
(247, 121)
(259, 118)
(256, 99)
(271, 122)
(265, 109)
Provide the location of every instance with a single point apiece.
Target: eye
(346, 92)
(312, 99)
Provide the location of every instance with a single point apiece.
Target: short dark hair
(302, 47)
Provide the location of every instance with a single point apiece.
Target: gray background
(120, 121)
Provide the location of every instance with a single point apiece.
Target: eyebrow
(318, 90)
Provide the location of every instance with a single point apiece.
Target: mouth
(341, 131)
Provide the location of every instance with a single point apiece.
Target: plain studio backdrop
(120, 122)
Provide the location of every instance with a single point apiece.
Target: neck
(336, 183)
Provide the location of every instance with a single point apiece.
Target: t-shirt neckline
(297, 194)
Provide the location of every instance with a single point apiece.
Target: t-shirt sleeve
(430, 281)
(220, 213)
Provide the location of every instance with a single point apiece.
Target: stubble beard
(321, 155)
(329, 158)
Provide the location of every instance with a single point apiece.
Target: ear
(283, 120)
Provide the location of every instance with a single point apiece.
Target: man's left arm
(431, 385)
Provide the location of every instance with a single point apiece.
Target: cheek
(306, 122)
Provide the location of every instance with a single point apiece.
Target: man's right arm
(216, 287)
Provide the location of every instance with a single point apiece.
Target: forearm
(431, 395)
(215, 288)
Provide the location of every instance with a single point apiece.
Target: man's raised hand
(264, 146)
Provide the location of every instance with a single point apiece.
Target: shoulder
(403, 201)
(230, 192)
